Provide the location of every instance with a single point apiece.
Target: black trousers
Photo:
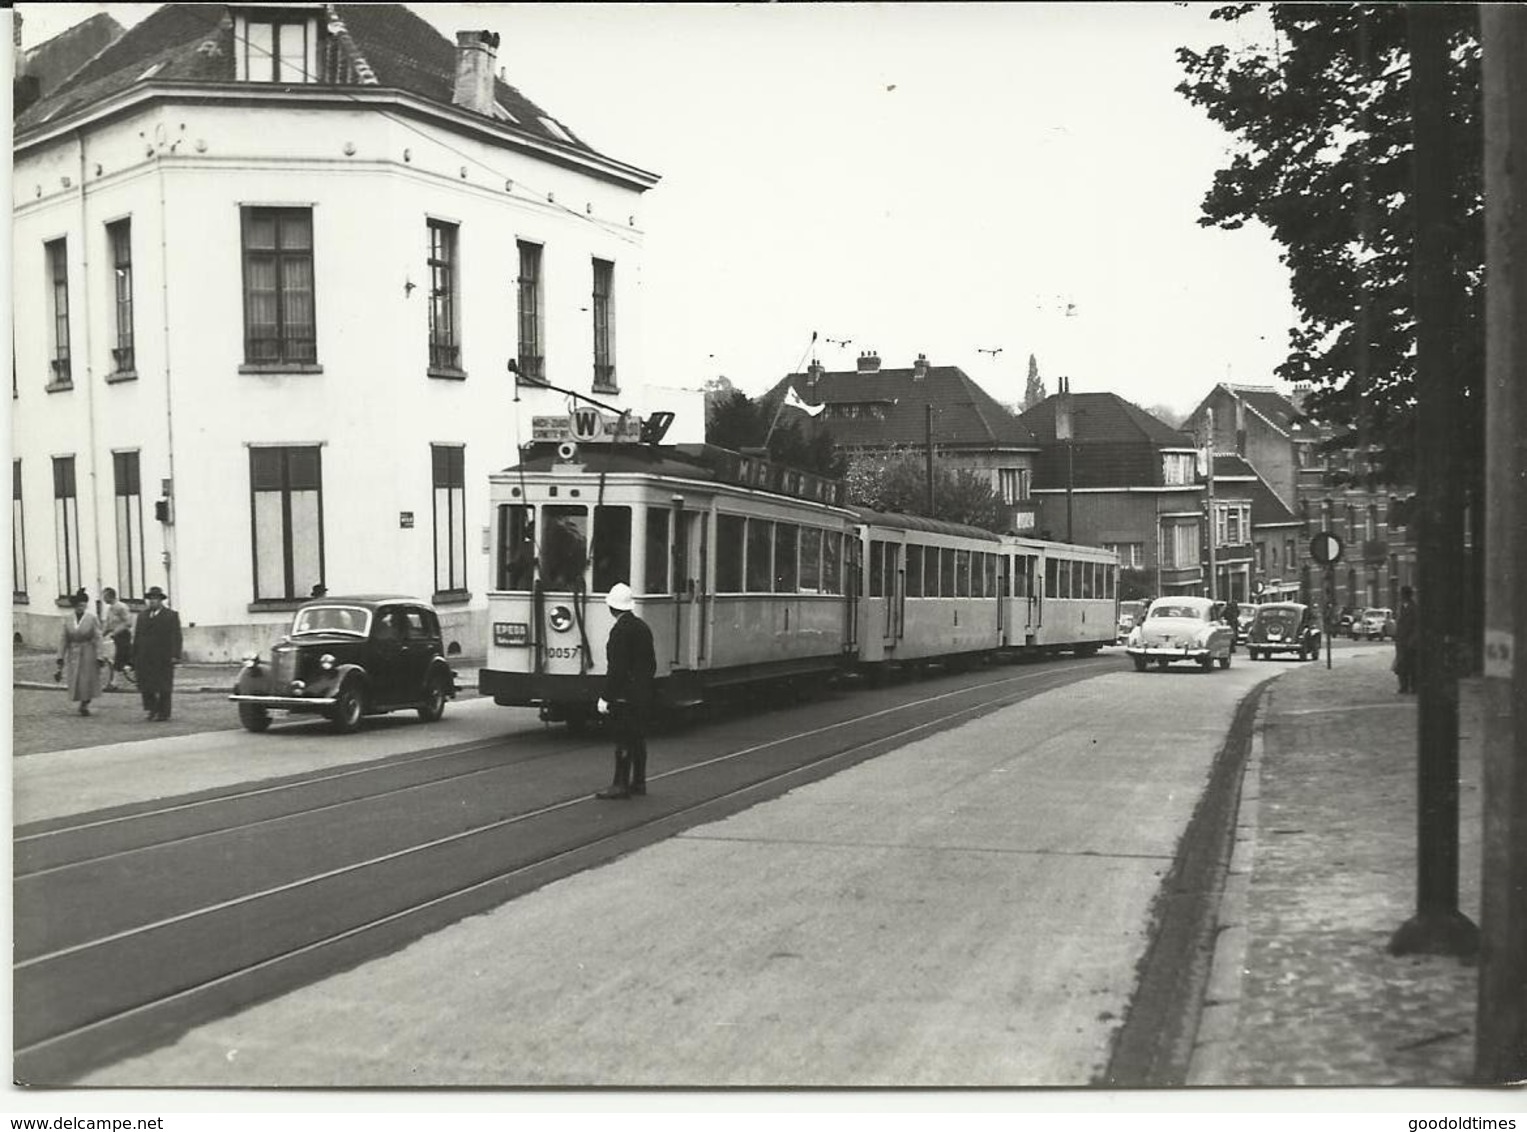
(630, 746)
(157, 703)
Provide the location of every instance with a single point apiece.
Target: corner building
(271, 268)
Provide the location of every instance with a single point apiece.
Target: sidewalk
(1304, 990)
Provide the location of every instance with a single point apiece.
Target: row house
(1110, 474)
(288, 283)
(1326, 489)
(875, 409)
(1258, 544)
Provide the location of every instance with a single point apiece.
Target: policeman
(631, 666)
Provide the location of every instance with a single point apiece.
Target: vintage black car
(1284, 626)
(347, 657)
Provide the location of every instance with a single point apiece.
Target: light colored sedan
(1180, 628)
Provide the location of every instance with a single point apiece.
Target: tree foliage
(897, 480)
(736, 421)
(1323, 158)
(1034, 389)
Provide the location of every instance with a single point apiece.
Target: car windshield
(332, 619)
(1191, 613)
(1376, 614)
(1278, 616)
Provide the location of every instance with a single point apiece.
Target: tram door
(887, 590)
(1025, 588)
(691, 587)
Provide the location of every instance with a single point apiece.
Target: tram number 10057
(563, 652)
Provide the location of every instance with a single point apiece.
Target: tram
(750, 573)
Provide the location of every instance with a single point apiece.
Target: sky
(977, 183)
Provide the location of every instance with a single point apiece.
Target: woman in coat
(79, 653)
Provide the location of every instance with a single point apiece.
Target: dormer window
(275, 45)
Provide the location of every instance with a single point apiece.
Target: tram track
(91, 995)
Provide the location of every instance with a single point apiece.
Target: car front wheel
(254, 717)
(1224, 661)
(433, 706)
(1140, 663)
(348, 709)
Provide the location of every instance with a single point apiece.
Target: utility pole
(928, 435)
(1500, 1047)
(1438, 927)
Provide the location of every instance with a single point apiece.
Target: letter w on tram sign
(585, 423)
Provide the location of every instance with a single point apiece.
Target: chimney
(920, 367)
(813, 375)
(1063, 408)
(1240, 427)
(475, 55)
(869, 362)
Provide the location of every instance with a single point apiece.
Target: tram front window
(516, 547)
(612, 547)
(564, 547)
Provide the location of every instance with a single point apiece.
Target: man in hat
(156, 652)
(631, 666)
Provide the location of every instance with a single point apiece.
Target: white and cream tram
(738, 567)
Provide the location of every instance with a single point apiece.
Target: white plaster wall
(373, 408)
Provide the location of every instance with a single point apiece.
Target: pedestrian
(318, 591)
(78, 653)
(118, 627)
(1233, 618)
(631, 666)
(156, 652)
(1407, 629)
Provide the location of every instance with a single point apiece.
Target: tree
(896, 480)
(736, 421)
(1323, 159)
(1034, 390)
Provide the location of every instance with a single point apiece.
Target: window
(120, 236)
(786, 562)
(729, 546)
(18, 535)
(811, 560)
(1177, 468)
(962, 573)
(449, 501)
(66, 526)
(274, 52)
(946, 581)
(1184, 546)
(1052, 578)
(564, 547)
(444, 333)
(612, 548)
(57, 253)
(286, 506)
(532, 362)
(127, 506)
(1013, 484)
(1131, 554)
(832, 562)
(656, 576)
(915, 571)
(516, 547)
(930, 571)
(760, 556)
(1288, 553)
(877, 568)
(279, 323)
(604, 327)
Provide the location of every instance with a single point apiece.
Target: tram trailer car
(748, 574)
(950, 594)
(737, 566)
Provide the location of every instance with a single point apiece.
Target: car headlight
(326, 661)
(251, 660)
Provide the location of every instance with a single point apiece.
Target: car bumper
(287, 703)
(1157, 652)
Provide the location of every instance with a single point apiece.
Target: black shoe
(613, 792)
(642, 789)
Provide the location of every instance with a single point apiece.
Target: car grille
(283, 666)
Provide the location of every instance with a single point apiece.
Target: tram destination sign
(587, 425)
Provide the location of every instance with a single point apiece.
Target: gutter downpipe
(166, 530)
(84, 291)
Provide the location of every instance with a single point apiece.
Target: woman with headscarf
(79, 653)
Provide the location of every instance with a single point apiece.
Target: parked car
(1130, 613)
(348, 657)
(1284, 626)
(1180, 628)
(1374, 624)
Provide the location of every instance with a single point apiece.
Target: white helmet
(620, 599)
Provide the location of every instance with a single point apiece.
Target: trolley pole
(1500, 1048)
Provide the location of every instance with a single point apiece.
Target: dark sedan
(1284, 626)
(348, 657)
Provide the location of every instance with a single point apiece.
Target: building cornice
(1134, 489)
(142, 95)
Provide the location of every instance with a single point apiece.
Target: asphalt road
(136, 922)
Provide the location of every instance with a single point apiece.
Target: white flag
(793, 400)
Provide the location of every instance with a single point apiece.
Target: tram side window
(1052, 578)
(760, 556)
(656, 578)
(1112, 574)
(832, 562)
(914, 571)
(516, 547)
(786, 566)
(811, 560)
(962, 573)
(564, 547)
(729, 532)
(977, 574)
(991, 576)
(612, 547)
(930, 572)
(1087, 583)
(877, 568)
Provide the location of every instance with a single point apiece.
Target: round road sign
(1325, 548)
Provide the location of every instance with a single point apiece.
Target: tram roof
(920, 523)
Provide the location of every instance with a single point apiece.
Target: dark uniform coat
(156, 648)
(631, 663)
